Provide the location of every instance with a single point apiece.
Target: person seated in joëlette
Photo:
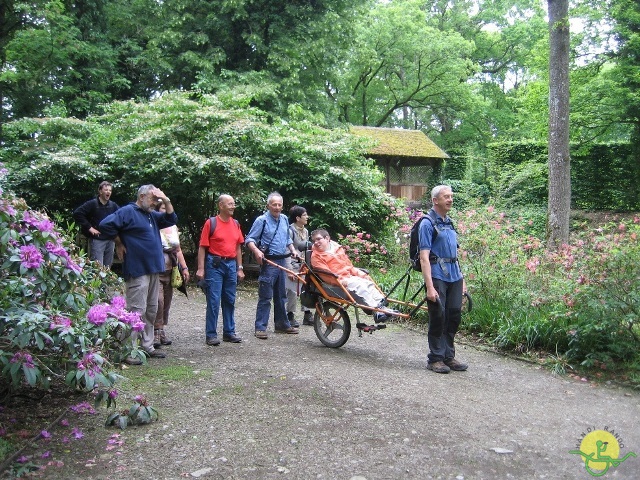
(329, 256)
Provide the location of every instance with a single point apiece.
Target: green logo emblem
(600, 450)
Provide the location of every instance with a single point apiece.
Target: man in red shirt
(220, 266)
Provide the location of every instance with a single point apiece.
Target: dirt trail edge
(290, 408)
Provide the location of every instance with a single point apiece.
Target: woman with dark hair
(172, 256)
(298, 219)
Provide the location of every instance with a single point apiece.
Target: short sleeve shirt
(444, 246)
(225, 240)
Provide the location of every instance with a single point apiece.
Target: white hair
(439, 188)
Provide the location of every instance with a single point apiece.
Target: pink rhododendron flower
(83, 407)
(532, 264)
(77, 433)
(44, 434)
(118, 302)
(63, 323)
(133, 319)
(98, 314)
(56, 249)
(71, 265)
(24, 358)
(7, 208)
(30, 256)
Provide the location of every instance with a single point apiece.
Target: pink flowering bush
(59, 319)
(581, 302)
(388, 247)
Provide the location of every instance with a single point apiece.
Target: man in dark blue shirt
(136, 229)
(89, 215)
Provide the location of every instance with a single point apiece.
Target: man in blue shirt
(136, 229)
(269, 238)
(444, 283)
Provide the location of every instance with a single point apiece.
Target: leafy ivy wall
(603, 176)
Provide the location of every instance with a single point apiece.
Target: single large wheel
(337, 332)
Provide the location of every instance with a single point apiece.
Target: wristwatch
(240, 267)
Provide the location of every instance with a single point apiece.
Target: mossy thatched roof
(395, 142)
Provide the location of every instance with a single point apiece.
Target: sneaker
(290, 330)
(308, 318)
(390, 312)
(455, 365)
(438, 367)
(261, 334)
(132, 361)
(156, 354)
(380, 317)
(213, 341)
(233, 338)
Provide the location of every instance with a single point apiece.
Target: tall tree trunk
(559, 160)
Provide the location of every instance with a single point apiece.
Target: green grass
(162, 375)
(6, 448)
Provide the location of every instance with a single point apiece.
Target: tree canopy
(196, 147)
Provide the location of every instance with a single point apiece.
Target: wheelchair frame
(332, 324)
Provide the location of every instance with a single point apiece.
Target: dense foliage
(62, 321)
(466, 72)
(576, 309)
(195, 148)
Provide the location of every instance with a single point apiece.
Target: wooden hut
(411, 162)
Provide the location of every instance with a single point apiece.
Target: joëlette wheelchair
(331, 303)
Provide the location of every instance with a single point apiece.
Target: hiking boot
(213, 341)
(438, 367)
(455, 365)
(233, 338)
(163, 338)
(292, 320)
(156, 354)
(290, 330)
(156, 339)
(308, 318)
(261, 334)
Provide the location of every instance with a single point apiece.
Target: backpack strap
(213, 222)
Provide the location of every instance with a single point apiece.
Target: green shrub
(56, 326)
(582, 302)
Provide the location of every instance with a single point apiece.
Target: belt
(443, 260)
(277, 257)
(221, 257)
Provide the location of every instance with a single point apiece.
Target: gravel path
(290, 408)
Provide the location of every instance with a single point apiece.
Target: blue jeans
(444, 320)
(221, 280)
(272, 286)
